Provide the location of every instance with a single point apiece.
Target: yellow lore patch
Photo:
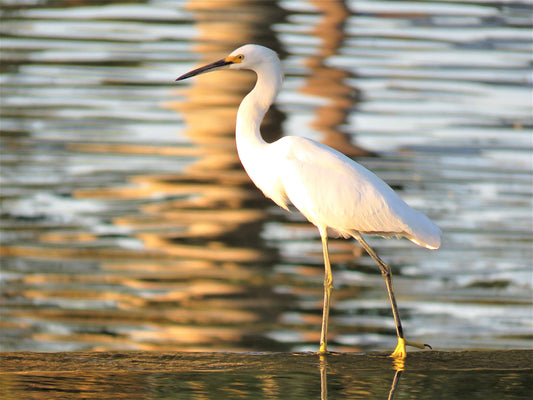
(235, 59)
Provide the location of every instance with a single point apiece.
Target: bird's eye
(239, 58)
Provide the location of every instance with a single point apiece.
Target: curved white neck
(256, 156)
(254, 107)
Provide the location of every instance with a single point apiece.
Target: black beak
(207, 68)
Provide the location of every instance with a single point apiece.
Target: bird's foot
(400, 351)
(323, 349)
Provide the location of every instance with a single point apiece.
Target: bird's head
(249, 56)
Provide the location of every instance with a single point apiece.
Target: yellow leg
(328, 286)
(400, 351)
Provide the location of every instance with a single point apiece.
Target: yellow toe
(417, 345)
(400, 351)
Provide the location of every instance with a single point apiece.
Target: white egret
(331, 190)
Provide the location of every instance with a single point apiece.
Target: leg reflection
(323, 364)
(398, 366)
(395, 382)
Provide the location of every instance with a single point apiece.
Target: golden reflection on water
(210, 215)
(328, 82)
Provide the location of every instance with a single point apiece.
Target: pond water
(128, 222)
(464, 375)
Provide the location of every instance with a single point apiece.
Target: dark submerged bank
(153, 361)
(140, 374)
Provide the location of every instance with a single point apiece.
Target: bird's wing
(331, 190)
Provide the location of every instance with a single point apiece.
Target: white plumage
(329, 189)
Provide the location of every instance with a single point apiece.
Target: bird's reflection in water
(323, 363)
(395, 383)
(398, 365)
